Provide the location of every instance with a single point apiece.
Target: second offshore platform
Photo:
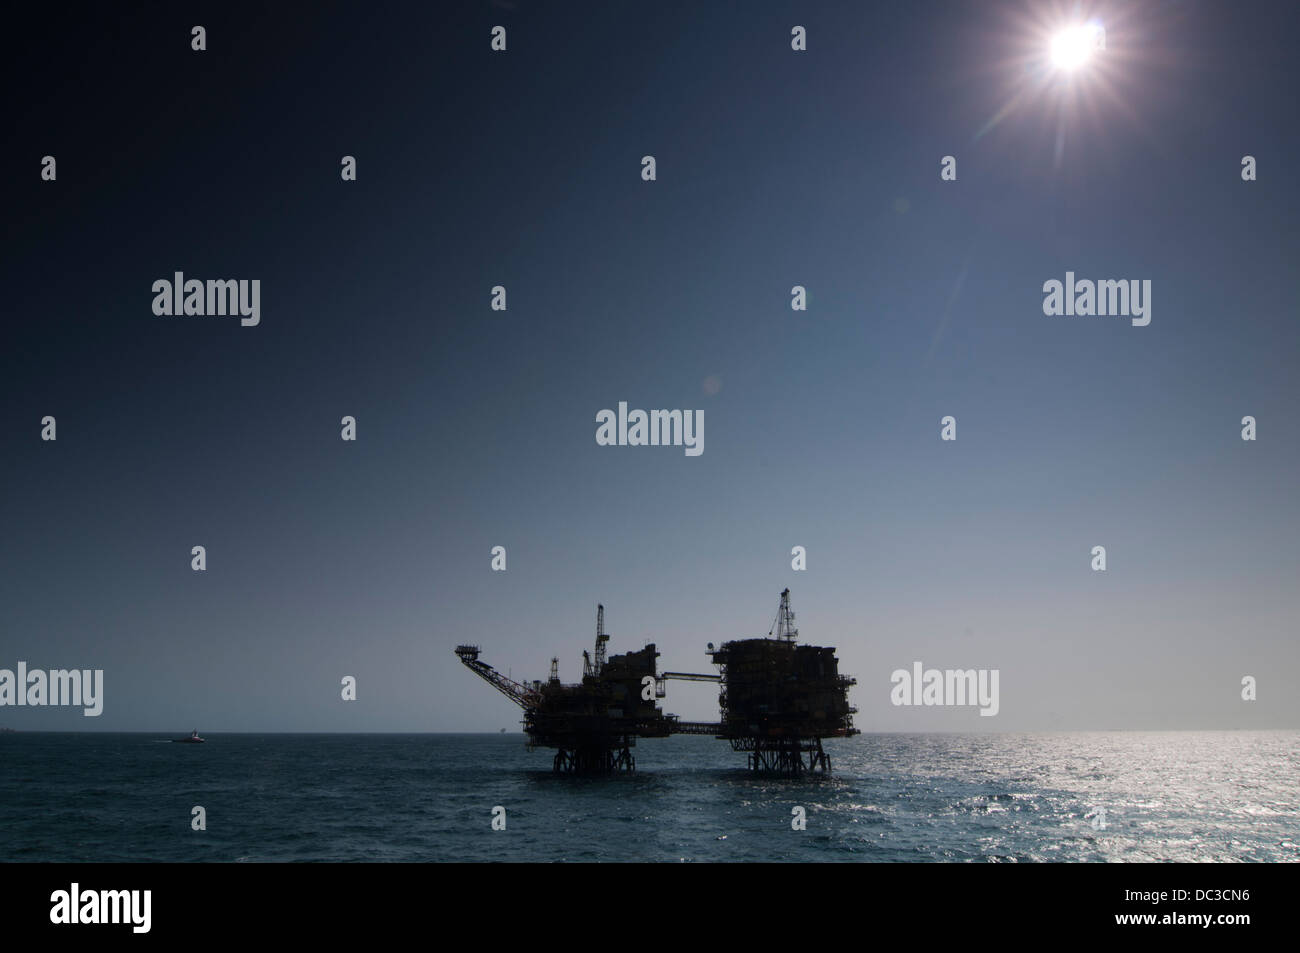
(777, 700)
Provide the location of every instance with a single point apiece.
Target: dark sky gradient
(476, 428)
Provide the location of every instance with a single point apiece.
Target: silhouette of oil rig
(777, 701)
(780, 699)
(594, 724)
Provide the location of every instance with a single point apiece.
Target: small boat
(193, 739)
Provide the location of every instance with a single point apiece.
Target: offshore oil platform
(777, 700)
(780, 699)
(592, 725)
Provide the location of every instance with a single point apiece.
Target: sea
(1214, 796)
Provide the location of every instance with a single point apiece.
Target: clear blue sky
(476, 428)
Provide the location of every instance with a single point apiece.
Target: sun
(1074, 46)
(1058, 69)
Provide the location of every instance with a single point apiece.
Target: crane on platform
(523, 695)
